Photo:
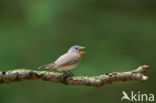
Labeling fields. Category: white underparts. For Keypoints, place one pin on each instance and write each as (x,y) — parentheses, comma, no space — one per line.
(66,68)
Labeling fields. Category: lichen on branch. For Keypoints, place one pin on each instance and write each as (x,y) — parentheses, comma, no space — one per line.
(94,81)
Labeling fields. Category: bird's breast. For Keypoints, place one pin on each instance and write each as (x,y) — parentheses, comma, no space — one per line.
(67,67)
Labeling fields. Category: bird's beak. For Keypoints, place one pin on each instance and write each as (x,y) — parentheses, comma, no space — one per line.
(81,49)
(83,52)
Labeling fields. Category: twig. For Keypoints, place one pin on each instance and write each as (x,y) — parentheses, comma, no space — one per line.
(95,81)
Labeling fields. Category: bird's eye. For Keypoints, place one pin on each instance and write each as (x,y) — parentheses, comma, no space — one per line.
(76,48)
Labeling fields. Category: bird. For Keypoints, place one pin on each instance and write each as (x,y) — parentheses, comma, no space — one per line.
(67,61)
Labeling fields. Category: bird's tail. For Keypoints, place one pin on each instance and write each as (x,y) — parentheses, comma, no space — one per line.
(51,66)
(42,67)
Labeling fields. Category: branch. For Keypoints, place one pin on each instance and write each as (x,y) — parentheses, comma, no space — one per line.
(95,81)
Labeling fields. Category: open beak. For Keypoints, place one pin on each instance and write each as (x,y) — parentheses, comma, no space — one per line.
(81,50)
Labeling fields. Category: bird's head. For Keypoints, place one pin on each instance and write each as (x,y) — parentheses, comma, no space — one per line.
(76,49)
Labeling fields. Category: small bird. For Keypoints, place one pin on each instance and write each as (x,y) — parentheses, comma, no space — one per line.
(68,60)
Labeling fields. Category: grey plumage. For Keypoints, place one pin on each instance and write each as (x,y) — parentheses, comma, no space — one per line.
(67,61)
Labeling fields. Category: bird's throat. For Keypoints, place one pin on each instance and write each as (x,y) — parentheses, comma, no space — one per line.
(80,53)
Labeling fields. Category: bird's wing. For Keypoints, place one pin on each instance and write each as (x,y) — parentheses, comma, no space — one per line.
(67,59)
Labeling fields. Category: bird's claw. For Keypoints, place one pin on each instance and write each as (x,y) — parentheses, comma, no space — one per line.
(65,76)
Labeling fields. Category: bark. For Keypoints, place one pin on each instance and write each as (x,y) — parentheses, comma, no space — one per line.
(94,81)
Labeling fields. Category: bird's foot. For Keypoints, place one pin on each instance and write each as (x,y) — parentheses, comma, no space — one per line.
(65,76)
(71,74)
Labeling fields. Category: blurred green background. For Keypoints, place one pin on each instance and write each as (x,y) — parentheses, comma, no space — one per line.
(118,35)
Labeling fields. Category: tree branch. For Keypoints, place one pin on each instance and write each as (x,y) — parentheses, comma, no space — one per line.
(95,81)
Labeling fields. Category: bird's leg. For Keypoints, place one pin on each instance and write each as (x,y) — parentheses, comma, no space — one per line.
(70,73)
(65,72)
(65,76)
